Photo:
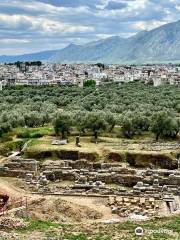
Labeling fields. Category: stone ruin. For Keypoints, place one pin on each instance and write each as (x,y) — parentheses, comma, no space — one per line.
(137,191)
(18,167)
(39,184)
(125,206)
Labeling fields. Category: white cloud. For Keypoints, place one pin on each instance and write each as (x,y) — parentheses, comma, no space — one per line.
(41,24)
(147,25)
(178,7)
(14,41)
(34,22)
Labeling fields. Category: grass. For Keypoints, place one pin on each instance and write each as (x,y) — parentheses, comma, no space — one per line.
(38,225)
(42,149)
(48,129)
(153,230)
(41,145)
(42,136)
(9,146)
(33,132)
(112,149)
(105,143)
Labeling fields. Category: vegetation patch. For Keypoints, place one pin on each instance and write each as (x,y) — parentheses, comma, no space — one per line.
(39,225)
(153,230)
(11,146)
(33,132)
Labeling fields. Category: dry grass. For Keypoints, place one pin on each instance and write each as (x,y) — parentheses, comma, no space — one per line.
(105,145)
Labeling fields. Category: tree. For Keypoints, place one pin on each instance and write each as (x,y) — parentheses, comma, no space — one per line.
(141,123)
(111,120)
(89,83)
(4,128)
(80,119)
(96,123)
(44,118)
(100,65)
(62,124)
(165,124)
(171,127)
(128,129)
(32,119)
(178,108)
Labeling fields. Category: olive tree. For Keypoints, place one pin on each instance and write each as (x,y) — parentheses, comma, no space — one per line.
(171,127)
(165,124)
(80,119)
(4,128)
(128,129)
(62,124)
(96,123)
(111,120)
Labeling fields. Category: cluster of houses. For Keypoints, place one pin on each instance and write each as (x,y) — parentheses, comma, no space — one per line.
(76,74)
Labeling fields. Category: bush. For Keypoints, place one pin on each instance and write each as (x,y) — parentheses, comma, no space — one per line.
(6,138)
(89,83)
(37,134)
(14,145)
(24,134)
(31,134)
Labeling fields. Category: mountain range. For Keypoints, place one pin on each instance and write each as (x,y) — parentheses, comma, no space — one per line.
(161,44)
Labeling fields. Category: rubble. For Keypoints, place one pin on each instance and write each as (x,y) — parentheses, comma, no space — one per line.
(8,236)
(12,223)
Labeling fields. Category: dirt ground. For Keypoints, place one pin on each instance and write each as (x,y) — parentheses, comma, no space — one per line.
(67,209)
(58,208)
(98,205)
(75,214)
(7,187)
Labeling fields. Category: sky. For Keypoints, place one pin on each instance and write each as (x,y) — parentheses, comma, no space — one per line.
(34,25)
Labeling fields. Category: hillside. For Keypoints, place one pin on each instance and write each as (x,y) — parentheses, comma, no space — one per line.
(144,47)
(39,56)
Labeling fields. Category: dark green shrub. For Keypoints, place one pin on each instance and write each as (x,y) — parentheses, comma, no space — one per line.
(24,134)
(37,135)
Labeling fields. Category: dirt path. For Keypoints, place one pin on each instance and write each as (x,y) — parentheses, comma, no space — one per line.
(97,204)
(3,159)
(7,187)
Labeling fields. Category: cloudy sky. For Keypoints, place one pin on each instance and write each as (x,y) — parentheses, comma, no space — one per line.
(34,25)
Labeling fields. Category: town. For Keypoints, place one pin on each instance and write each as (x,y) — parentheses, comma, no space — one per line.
(37,74)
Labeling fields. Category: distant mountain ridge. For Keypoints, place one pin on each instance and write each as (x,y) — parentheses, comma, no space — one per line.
(39,56)
(158,45)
